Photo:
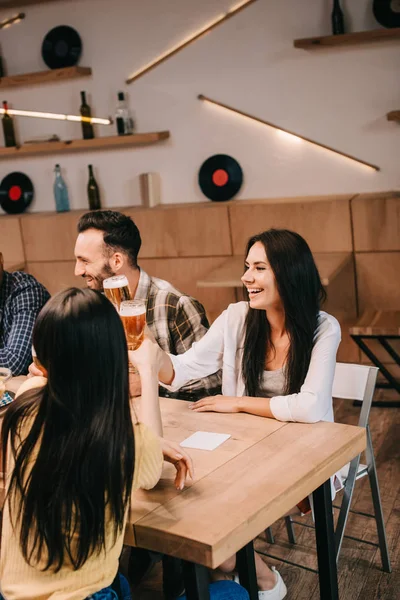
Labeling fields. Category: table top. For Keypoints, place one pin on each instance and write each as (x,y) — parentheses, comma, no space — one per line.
(377,322)
(240,488)
(228,274)
(264,469)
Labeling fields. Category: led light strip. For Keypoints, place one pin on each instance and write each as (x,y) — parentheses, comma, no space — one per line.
(286,131)
(55,116)
(12,20)
(217,21)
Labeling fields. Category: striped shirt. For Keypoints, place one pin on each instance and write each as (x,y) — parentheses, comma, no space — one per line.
(176,321)
(21,299)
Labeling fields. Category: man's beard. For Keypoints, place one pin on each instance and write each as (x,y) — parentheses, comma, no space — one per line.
(97,280)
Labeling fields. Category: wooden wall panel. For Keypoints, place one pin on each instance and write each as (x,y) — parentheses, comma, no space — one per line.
(376,222)
(11,244)
(55,276)
(325,225)
(50,236)
(176,231)
(378,280)
(183,273)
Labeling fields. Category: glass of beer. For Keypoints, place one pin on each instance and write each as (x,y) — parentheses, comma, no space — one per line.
(133,316)
(117,290)
(37,362)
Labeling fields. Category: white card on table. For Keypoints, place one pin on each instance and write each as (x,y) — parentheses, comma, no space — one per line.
(203,440)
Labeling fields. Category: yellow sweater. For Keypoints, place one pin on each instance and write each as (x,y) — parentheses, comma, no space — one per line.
(20,581)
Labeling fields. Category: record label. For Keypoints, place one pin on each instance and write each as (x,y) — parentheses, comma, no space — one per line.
(16,193)
(220,177)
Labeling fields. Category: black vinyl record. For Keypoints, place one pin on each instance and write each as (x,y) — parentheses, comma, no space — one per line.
(61,47)
(387,12)
(16,193)
(220,177)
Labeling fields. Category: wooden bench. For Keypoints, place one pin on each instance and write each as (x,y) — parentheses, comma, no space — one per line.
(383,326)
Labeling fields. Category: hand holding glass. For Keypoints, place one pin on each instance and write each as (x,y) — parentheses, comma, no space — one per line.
(133,317)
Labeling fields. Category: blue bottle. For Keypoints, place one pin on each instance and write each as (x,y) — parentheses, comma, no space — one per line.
(60,191)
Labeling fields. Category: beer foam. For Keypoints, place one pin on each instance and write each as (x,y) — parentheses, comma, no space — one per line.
(131,309)
(117,281)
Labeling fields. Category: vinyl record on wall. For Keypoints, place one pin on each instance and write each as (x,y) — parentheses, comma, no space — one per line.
(387,12)
(220,177)
(61,47)
(16,193)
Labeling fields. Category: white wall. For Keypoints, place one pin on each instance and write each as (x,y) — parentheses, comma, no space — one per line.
(336,96)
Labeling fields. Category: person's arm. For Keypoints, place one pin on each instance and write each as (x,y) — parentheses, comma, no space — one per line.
(26,304)
(203,358)
(147,360)
(190,326)
(310,405)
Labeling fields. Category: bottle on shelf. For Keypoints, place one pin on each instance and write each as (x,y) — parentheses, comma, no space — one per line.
(93,191)
(87,127)
(60,191)
(337,18)
(123,117)
(8,128)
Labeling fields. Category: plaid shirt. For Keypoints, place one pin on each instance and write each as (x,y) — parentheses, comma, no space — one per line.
(21,298)
(176,321)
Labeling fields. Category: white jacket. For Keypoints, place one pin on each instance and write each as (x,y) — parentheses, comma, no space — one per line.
(222,348)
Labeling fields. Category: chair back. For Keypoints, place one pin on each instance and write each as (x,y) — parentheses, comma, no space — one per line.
(356,382)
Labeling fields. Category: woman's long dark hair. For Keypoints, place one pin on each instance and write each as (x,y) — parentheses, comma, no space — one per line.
(300,288)
(80,442)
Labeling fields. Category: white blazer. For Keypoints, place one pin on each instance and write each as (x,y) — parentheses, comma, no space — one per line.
(222,348)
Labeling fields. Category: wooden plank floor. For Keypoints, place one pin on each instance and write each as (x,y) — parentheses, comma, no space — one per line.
(359,569)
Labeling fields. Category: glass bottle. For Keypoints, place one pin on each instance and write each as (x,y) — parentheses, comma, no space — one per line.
(87,127)
(337,18)
(60,191)
(93,191)
(123,117)
(8,128)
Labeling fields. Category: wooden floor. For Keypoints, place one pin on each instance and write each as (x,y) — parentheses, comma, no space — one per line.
(359,569)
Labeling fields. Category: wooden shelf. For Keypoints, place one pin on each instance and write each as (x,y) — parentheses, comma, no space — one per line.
(51,75)
(102,143)
(394,115)
(347,39)
(18,3)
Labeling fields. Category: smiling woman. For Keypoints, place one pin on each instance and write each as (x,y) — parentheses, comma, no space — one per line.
(277,351)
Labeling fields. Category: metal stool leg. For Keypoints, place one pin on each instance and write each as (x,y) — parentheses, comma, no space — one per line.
(376,499)
(270,536)
(346,502)
(290,530)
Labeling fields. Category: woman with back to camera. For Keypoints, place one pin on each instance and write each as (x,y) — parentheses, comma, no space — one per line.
(75,454)
(277,352)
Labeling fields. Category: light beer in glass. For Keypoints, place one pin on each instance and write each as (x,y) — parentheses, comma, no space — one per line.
(117,290)
(133,316)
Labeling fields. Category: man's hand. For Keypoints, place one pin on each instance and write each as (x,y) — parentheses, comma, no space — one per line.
(222,404)
(182,462)
(34,371)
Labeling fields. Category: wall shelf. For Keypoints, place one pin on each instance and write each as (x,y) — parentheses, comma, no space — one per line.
(347,39)
(18,3)
(50,75)
(393,115)
(101,143)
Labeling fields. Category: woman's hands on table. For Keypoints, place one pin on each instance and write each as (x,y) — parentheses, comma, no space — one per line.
(219,403)
(182,462)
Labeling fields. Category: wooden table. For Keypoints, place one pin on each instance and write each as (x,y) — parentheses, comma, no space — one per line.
(329,264)
(241,488)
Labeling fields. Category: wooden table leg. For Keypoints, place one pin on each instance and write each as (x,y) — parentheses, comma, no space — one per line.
(327,570)
(247,570)
(196,581)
